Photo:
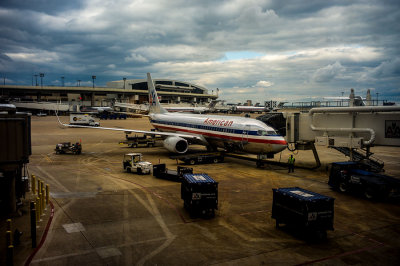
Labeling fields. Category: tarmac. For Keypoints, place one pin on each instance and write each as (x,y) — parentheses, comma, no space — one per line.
(105,216)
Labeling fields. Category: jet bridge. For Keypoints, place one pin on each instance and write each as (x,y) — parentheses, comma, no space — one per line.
(350,130)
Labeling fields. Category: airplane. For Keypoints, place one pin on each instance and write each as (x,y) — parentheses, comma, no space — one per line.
(352,99)
(139,108)
(231,133)
(96,109)
(358,100)
(259,109)
(188,109)
(193,109)
(251,109)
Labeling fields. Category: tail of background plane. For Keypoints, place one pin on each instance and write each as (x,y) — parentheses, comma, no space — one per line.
(213,103)
(154,103)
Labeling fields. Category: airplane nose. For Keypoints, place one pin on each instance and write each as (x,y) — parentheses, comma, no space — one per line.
(281,146)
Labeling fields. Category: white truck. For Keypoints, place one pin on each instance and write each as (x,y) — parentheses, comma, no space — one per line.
(133,163)
(83,120)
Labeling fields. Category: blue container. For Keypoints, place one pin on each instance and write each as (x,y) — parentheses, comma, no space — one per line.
(304,209)
(200,194)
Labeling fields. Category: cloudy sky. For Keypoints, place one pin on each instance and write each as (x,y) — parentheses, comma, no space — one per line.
(249,49)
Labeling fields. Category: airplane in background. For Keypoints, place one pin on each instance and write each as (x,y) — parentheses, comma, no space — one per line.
(358,100)
(250,109)
(232,133)
(181,109)
(192,109)
(352,99)
(256,109)
(96,109)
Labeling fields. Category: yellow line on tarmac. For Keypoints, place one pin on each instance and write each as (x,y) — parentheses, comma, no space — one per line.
(48,158)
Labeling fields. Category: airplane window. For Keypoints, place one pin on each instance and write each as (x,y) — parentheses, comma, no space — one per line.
(271,132)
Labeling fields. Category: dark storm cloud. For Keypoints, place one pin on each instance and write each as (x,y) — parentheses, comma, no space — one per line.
(45,6)
(310,47)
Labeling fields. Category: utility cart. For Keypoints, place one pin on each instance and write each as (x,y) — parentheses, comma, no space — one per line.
(67,147)
(200,194)
(306,211)
(133,162)
(136,141)
(160,171)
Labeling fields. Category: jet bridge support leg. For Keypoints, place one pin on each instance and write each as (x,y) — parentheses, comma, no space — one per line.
(314,150)
(309,145)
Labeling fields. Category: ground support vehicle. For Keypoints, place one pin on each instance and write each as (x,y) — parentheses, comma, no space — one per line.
(133,163)
(309,213)
(67,147)
(160,171)
(200,194)
(192,159)
(136,141)
(83,120)
(352,177)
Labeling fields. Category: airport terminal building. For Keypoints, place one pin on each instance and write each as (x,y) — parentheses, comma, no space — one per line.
(127,91)
(169,91)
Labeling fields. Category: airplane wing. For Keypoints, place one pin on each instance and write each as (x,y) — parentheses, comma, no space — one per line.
(166,134)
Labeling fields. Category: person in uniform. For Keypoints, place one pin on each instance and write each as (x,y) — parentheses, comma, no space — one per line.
(291,161)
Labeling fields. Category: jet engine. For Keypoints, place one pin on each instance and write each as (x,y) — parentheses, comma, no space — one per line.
(176,144)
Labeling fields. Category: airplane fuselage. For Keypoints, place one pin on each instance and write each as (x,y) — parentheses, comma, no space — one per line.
(249,135)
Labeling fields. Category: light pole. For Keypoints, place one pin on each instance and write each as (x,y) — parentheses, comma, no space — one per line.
(93,77)
(124,82)
(79,82)
(62,81)
(41,79)
(377,102)
(36,79)
(341,100)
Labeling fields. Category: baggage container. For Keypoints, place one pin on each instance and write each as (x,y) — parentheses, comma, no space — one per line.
(305,210)
(200,194)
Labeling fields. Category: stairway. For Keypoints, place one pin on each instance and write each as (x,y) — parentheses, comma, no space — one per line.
(373,163)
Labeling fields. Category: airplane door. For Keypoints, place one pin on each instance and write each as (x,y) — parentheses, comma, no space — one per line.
(245,134)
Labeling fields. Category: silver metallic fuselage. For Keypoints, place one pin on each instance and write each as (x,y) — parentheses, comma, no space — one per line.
(249,135)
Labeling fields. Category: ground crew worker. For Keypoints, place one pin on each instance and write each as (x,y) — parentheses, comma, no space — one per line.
(291,161)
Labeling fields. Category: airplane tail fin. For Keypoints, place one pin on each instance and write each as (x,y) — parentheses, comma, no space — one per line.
(213,103)
(154,103)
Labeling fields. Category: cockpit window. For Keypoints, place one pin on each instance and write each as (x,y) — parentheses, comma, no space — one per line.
(262,132)
(266,133)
